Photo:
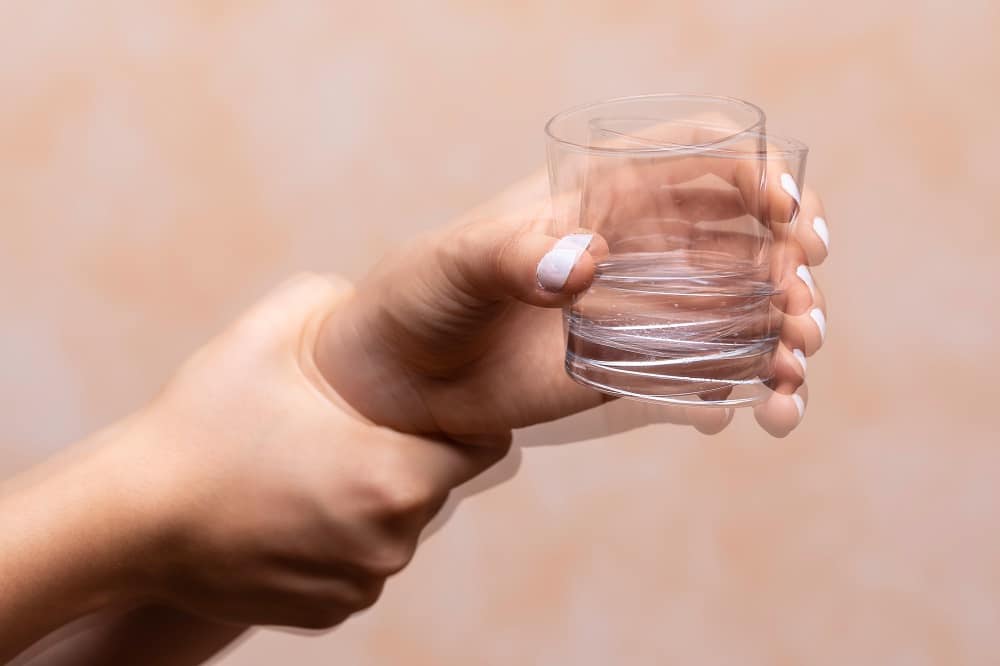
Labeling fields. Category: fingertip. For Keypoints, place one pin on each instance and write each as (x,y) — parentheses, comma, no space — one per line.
(806,331)
(800,406)
(822,231)
(779,414)
(800,358)
(710,420)
(582,274)
(568,267)
(798,289)
(813,230)
(819,317)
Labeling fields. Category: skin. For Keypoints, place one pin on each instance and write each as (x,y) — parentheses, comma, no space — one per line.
(459,320)
(253,494)
(288,468)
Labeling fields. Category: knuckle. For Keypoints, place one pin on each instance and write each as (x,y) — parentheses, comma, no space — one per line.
(322,616)
(397,492)
(456,246)
(403,499)
(389,559)
(478,253)
(369,594)
(331,607)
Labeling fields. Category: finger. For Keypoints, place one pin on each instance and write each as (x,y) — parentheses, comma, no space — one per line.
(568,265)
(789,369)
(810,228)
(329,582)
(798,290)
(491,261)
(781,413)
(734,161)
(663,189)
(709,420)
(435,466)
(783,196)
(805,331)
(785,367)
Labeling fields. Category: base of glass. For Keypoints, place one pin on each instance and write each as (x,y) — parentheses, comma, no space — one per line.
(745,393)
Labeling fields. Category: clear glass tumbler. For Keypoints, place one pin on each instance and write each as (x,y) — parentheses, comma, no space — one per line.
(693,200)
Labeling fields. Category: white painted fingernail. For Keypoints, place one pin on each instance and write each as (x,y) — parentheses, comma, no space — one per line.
(555,267)
(820,319)
(800,405)
(819,226)
(801,358)
(788,185)
(580,241)
(806,277)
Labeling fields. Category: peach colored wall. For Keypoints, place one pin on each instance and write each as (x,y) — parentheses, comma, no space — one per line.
(162,162)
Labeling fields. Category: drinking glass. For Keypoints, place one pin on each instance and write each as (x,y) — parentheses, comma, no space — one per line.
(693,201)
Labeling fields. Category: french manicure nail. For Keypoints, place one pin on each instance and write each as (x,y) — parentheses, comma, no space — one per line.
(801,358)
(555,267)
(820,319)
(800,405)
(806,277)
(788,185)
(819,226)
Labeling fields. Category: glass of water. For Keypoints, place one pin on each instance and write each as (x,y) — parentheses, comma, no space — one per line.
(694,200)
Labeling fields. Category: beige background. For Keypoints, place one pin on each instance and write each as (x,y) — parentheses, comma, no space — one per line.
(162,162)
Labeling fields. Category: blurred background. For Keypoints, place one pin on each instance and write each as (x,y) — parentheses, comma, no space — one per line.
(162,163)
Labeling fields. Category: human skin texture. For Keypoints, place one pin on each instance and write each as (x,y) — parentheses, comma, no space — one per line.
(288,468)
(245,493)
(459,320)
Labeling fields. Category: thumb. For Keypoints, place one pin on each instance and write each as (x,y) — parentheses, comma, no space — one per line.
(493,261)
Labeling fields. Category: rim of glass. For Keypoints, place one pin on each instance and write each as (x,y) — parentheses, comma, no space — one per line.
(562,115)
(786,146)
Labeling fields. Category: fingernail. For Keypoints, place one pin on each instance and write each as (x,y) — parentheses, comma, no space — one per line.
(820,319)
(806,277)
(581,241)
(788,185)
(801,358)
(555,267)
(819,226)
(800,405)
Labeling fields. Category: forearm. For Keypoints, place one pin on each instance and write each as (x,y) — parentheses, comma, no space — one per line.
(152,635)
(69,545)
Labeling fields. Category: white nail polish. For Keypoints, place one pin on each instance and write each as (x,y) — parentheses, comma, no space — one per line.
(819,226)
(820,319)
(576,241)
(800,404)
(788,185)
(806,277)
(801,358)
(555,267)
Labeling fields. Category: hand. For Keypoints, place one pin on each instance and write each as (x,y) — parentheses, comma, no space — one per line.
(699,209)
(279,506)
(456,335)
(245,493)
